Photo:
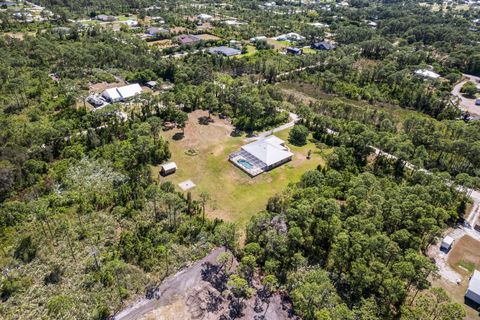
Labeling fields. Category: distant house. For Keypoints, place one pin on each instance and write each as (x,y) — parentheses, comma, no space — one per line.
(292,36)
(168,168)
(105,18)
(204,17)
(233,22)
(427,74)
(188,39)
(319,24)
(262,155)
(155,31)
(122,93)
(372,24)
(131,23)
(225,51)
(294,50)
(7,4)
(258,38)
(323,46)
(447,243)
(473,291)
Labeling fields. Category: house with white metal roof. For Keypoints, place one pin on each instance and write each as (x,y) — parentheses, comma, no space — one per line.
(262,155)
(122,93)
(427,74)
(473,291)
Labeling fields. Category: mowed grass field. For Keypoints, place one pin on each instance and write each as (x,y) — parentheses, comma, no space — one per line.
(235,196)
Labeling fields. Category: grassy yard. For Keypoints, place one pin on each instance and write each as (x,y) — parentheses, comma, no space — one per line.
(308,50)
(251,50)
(234,195)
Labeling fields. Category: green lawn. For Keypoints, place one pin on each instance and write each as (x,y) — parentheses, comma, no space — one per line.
(251,50)
(308,50)
(235,196)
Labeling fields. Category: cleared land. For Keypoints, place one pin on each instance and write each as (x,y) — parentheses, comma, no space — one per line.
(458,263)
(234,195)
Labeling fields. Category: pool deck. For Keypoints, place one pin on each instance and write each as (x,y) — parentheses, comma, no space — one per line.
(253,172)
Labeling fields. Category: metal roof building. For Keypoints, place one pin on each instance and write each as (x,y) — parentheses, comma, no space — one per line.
(473,291)
(122,93)
(225,51)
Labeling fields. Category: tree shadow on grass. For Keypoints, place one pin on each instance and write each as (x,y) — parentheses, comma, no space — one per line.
(205,121)
(236,133)
(178,136)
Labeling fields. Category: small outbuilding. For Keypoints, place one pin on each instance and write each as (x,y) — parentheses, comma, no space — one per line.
(168,168)
(323,46)
(473,291)
(151,84)
(447,243)
(294,50)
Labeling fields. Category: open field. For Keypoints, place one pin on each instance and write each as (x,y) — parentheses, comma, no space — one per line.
(234,195)
(206,36)
(166,43)
(465,255)
(460,262)
(279,45)
(251,50)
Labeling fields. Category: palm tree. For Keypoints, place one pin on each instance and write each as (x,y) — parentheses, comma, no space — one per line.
(67,233)
(204,198)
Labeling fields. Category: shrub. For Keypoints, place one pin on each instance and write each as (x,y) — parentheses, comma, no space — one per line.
(26,250)
(469,89)
(298,135)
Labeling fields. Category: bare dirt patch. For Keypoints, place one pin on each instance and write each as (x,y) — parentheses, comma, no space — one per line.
(200,292)
(102,86)
(465,251)
(206,36)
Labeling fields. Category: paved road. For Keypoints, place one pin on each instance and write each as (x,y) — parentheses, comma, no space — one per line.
(465,103)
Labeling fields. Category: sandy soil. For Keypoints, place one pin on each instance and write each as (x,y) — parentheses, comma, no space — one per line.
(190,294)
(206,36)
(465,248)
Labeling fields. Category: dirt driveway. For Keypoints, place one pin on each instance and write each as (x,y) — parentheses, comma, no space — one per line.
(467,104)
(192,294)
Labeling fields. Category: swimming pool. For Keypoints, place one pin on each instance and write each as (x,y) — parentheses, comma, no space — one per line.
(245,164)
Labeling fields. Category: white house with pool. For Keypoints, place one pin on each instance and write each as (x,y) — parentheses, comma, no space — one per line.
(262,155)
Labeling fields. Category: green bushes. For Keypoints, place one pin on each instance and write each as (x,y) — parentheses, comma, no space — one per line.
(298,135)
(26,250)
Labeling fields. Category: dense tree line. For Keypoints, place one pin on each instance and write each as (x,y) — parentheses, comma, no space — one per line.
(348,244)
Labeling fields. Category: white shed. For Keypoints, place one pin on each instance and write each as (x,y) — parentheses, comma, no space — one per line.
(447,243)
(473,291)
(168,168)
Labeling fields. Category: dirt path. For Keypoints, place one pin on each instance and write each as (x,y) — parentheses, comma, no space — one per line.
(192,294)
(170,291)
(293,119)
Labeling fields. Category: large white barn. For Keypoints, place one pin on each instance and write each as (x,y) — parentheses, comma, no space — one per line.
(122,93)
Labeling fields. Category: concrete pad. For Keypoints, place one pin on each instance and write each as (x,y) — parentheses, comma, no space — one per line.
(186,185)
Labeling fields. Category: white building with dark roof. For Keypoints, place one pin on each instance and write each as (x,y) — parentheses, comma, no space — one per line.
(262,155)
